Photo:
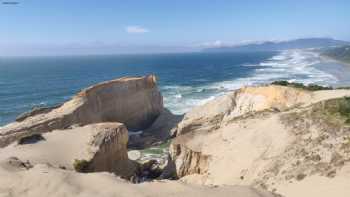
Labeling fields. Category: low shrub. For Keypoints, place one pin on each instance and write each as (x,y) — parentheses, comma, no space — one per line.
(81,165)
(310,87)
(338,109)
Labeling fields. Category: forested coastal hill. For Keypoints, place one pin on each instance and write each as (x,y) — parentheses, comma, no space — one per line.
(339,53)
(281,45)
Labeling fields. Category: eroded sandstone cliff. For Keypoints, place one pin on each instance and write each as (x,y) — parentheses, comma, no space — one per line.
(265,136)
(136,102)
(44,152)
(242,101)
(91,148)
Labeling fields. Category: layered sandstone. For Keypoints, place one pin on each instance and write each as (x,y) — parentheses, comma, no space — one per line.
(45,168)
(271,137)
(136,102)
(285,140)
(242,101)
(91,148)
(249,100)
(43,180)
(43,153)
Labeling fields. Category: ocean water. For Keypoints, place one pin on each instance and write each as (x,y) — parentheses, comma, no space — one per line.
(185,80)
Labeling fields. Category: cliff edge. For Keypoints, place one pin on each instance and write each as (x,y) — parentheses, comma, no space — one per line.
(272,137)
(135,102)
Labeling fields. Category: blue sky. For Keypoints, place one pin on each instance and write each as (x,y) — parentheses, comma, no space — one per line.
(136,26)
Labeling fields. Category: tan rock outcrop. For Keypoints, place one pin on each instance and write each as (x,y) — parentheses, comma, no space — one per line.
(91,148)
(162,129)
(242,101)
(44,168)
(188,161)
(164,126)
(43,180)
(35,111)
(136,102)
(266,139)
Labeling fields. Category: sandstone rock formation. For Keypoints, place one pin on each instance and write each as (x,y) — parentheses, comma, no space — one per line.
(44,168)
(35,111)
(136,102)
(91,148)
(269,137)
(162,129)
(245,100)
(164,126)
(43,180)
(241,144)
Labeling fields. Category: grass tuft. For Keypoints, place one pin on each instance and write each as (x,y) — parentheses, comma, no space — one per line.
(310,87)
(335,110)
(81,165)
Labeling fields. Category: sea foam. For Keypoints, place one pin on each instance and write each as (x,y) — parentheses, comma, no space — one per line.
(292,65)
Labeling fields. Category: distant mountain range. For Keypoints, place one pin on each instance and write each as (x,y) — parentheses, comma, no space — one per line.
(282,45)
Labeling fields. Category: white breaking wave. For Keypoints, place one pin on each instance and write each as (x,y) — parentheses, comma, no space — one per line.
(291,65)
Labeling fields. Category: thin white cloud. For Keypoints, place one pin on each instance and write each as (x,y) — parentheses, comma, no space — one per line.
(217,43)
(136,29)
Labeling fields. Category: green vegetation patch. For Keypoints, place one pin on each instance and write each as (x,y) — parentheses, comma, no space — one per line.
(81,165)
(157,150)
(310,87)
(335,110)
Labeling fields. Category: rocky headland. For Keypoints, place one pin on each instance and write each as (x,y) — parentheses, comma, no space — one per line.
(270,140)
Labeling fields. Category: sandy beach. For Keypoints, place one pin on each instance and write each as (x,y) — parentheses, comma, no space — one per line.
(341,70)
